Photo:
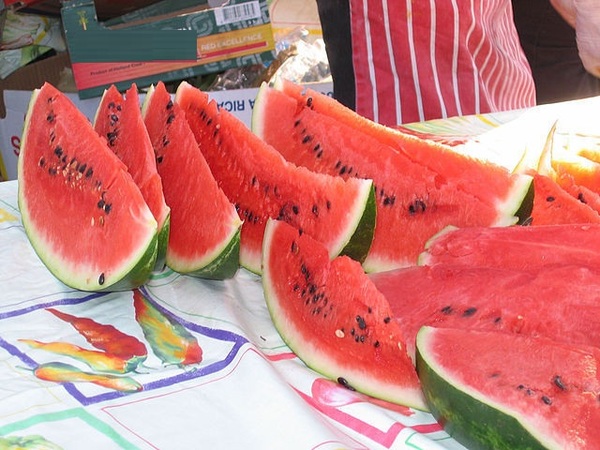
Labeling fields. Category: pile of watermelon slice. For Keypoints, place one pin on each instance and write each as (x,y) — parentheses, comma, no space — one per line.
(390,262)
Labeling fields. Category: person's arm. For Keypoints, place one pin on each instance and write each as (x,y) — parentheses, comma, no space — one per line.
(584,16)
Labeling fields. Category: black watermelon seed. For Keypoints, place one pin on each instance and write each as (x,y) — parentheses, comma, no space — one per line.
(170,104)
(101,279)
(546,400)
(557,380)
(447,310)
(309,101)
(550,198)
(387,319)
(417,206)
(344,382)
(361,322)
(306,139)
(170,118)
(469,312)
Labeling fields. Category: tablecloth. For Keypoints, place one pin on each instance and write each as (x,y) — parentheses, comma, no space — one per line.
(248,391)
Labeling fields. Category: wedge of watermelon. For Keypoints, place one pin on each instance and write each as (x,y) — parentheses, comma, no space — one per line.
(416,197)
(205,228)
(554,205)
(262,185)
(83,213)
(503,189)
(545,397)
(120,121)
(516,247)
(333,317)
(558,301)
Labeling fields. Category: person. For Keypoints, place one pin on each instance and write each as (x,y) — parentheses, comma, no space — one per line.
(401,61)
(561,39)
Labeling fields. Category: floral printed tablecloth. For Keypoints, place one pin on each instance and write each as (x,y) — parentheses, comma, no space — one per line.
(242,388)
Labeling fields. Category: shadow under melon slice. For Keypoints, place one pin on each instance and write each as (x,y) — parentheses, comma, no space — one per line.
(262,185)
(119,120)
(82,212)
(205,228)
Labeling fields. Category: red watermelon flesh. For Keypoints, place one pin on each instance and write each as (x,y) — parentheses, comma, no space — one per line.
(559,301)
(414,202)
(554,205)
(466,173)
(334,319)
(263,185)
(516,247)
(506,391)
(582,193)
(119,120)
(204,236)
(83,213)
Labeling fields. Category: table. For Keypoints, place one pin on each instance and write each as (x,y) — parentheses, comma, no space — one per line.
(248,391)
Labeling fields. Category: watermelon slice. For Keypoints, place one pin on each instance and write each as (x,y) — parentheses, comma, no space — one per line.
(120,121)
(417,194)
(515,247)
(205,228)
(557,301)
(83,213)
(554,205)
(262,185)
(546,396)
(333,317)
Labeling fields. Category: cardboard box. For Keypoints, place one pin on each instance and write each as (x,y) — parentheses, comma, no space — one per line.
(158,43)
(239,102)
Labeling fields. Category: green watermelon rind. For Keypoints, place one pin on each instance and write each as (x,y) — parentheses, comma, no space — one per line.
(225,264)
(360,243)
(132,275)
(163,243)
(466,415)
